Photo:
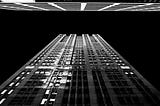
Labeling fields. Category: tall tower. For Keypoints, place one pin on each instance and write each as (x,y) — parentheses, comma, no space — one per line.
(78,70)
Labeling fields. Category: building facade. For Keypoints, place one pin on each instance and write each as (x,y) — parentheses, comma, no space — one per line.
(78,70)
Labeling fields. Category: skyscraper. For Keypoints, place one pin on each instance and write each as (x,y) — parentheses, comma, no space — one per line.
(77,70)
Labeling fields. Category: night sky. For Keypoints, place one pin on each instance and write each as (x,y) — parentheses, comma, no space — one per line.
(133,34)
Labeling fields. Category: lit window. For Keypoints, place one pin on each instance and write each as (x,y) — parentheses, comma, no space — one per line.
(66,67)
(10,91)
(3,91)
(42,72)
(51,84)
(44,80)
(43,101)
(65,73)
(43,63)
(11,84)
(47,73)
(47,92)
(17,84)
(125,67)
(17,78)
(68,80)
(22,73)
(23,77)
(57,85)
(63,80)
(37,72)
(2,100)
(57,80)
(70,74)
(107,63)
(52,63)
(52,100)
(67,62)
(28,67)
(126,73)
(131,73)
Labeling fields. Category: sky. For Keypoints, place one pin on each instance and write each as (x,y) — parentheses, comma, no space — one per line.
(133,35)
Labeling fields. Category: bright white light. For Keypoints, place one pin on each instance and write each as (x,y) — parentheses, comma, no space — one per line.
(51,84)
(17,84)
(47,92)
(125,67)
(22,73)
(83,5)
(47,73)
(70,74)
(107,64)
(57,85)
(11,84)
(67,62)
(126,73)
(44,80)
(29,67)
(65,73)
(42,72)
(37,72)
(131,73)
(52,100)
(10,91)
(43,101)
(2,100)
(68,80)
(109,7)
(48,67)
(23,77)
(3,91)
(17,78)
(63,80)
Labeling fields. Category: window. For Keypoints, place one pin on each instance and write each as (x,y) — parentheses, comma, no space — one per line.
(10,91)
(2,100)
(43,101)
(3,91)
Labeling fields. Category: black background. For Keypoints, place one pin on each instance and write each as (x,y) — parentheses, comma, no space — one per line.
(133,34)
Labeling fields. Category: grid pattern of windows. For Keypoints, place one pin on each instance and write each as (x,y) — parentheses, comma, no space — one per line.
(78,70)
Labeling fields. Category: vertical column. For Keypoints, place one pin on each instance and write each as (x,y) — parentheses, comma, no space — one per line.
(65,66)
(92,92)
(100,85)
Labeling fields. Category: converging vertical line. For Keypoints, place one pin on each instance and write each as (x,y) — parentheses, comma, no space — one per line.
(108,6)
(57,6)
(133,7)
(27,5)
